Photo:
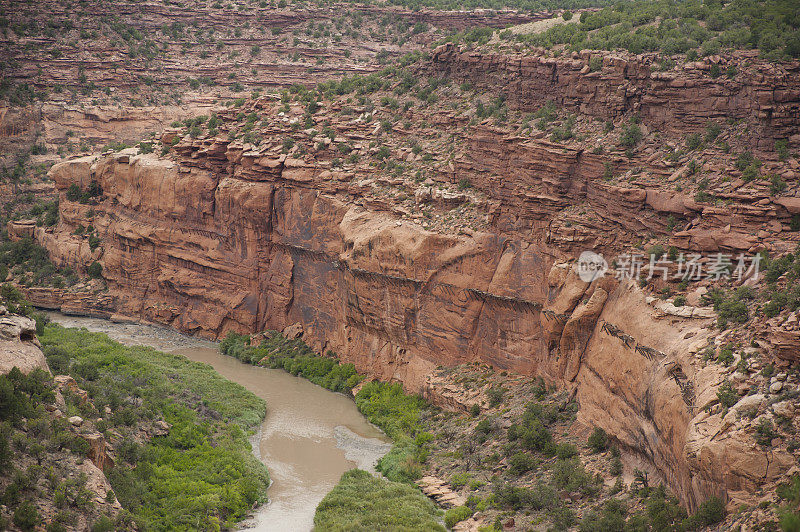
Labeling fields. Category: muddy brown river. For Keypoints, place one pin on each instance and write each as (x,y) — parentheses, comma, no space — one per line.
(309,437)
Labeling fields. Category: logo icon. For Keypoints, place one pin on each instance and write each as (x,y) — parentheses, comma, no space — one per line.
(591,266)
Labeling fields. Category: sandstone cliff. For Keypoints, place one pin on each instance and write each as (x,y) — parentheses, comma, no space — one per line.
(18,345)
(468,259)
(681,100)
(208,252)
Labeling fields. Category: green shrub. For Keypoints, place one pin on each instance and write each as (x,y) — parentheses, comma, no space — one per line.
(539,388)
(782,149)
(611,516)
(94,242)
(727,395)
(765,433)
(656,251)
(484,426)
(95,270)
(103,524)
(598,440)
(532,434)
(694,141)
(520,463)
(616,466)
(745,159)
(20,394)
(362,502)
(511,497)
(725,356)
(730,306)
(495,396)
(630,136)
(401,463)
(789,515)
(709,513)
(459,480)
(388,407)
(456,515)
(26,516)
(566,450)
(777,185)
(712,132)
(570,475)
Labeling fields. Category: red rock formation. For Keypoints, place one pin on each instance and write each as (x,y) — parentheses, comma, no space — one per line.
(225,239)
(678,101)
(228,235)
(74,302)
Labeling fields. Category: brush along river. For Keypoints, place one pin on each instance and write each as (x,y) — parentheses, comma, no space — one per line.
(309,437)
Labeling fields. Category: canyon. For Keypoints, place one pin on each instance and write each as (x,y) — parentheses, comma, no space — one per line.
(122,71)
(224,235)
(408,199)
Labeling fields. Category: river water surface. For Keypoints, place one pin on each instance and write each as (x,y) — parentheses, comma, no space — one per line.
(309,437)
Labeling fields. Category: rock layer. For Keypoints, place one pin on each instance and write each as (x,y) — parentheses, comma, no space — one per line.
(681,100)
(223,240)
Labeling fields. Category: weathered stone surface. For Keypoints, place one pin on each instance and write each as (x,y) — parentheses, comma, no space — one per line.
(18,345)
(440,491)
(78,303)
(99,450)
(677,102)
(249,248)
(66,383)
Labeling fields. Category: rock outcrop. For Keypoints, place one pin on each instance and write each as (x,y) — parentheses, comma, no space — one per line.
(469,261)
(441,492)
(18,344)
(681,100)
(263,245)
(71,302)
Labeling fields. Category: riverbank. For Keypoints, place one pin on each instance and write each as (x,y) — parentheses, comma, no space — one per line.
(359,502)
(308,439)
(506,452)
(173,431)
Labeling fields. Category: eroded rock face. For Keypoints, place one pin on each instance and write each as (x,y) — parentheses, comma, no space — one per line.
(18,344)
(680,101)
(784,338)
(224,240)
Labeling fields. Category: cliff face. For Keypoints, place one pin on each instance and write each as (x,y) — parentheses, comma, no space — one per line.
(676,101)
(401,275)
(267,244)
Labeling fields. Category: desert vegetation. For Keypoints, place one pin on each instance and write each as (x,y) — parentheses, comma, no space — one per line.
(361,502)
(534,465)
(198,474)
(694,28)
